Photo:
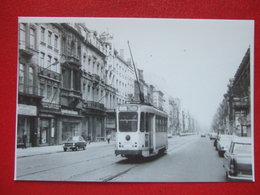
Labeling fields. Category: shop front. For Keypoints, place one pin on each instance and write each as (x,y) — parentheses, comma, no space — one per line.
(27,125)
(71,124)
(93,125)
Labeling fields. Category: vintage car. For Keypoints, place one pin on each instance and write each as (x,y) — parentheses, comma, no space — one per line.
(75,143)
(223,143)
(213,136)
(238,160)
(203,135)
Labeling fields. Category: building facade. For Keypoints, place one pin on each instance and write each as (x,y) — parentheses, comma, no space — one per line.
(70,82)
(234,113)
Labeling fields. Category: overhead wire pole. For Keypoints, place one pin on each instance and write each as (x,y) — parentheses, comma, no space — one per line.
(141,95)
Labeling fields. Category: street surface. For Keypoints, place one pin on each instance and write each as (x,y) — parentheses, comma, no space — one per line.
(188,159)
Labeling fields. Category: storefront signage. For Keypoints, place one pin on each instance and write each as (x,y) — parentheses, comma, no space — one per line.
(27,110)
(69,112)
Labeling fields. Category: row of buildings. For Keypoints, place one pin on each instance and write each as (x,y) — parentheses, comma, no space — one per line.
(234,113)
(180,121)
(70,81)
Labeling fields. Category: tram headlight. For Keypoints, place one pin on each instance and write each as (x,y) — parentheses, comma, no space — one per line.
(127,137)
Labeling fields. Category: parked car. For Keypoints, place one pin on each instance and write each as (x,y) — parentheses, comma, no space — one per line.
(202,135)
(213,136)
(238,160)
(75,143)
(169,135)
(222,144)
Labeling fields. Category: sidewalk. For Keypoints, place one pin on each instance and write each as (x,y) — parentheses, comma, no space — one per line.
(33,151)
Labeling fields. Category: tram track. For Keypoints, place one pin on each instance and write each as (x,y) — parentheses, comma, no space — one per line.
(63,166)
(92,168)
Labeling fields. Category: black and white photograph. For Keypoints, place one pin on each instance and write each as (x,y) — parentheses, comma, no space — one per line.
(134,100)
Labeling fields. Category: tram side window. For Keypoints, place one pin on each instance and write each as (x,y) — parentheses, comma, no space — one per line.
(149,120)
(143,122)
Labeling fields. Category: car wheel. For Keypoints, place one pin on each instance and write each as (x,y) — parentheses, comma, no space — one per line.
(227,177)
(65,149)
(77,148)
(84,147)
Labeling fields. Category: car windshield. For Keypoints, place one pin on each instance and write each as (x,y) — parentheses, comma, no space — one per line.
(128,121)
(73,139)
(240,148)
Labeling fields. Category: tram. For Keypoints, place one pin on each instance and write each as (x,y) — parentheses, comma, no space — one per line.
(141,130)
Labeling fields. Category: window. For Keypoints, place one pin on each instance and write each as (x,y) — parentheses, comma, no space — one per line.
(49,91)
(143,122)
(48,62)
(22,34)
(42,34)
(66,77)
(32,38)
(56,41)
(42,89)
(55,95)
(49,37)
(55,62)
(42,55)
(30,80)
(21,77)
(128,121)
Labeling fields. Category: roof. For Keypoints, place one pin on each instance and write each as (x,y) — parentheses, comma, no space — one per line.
(244,140)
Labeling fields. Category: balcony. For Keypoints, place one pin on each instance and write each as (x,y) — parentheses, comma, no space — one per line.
(52,106)
(28,90)
(24,51)
(70,93)
(94,105)
(49,73)
(71,58)
(96,46)
(96,78)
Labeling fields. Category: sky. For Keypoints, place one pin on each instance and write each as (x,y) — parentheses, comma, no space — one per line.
(189,59)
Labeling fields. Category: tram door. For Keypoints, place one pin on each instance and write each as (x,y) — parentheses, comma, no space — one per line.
(149,127)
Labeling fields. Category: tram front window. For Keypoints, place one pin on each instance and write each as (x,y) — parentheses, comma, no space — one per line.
(128,121)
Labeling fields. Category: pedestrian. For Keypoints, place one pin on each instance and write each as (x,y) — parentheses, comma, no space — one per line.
(24,138)
(108,138)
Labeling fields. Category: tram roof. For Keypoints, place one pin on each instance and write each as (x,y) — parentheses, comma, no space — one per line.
(146,107)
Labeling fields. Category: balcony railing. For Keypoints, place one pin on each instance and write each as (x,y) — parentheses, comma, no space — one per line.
(51,105)
(70,93)
(94,105)
(28,89)
(24,50)
(49,73)
(71,58)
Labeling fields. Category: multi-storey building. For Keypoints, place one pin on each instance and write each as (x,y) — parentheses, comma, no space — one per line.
(98,94)
(158,100)
(124,78)
(234,113)
(49,76)
(29,98)
(70,82)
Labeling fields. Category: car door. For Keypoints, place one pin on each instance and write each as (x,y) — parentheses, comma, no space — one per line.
(228,157)
(81,142)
